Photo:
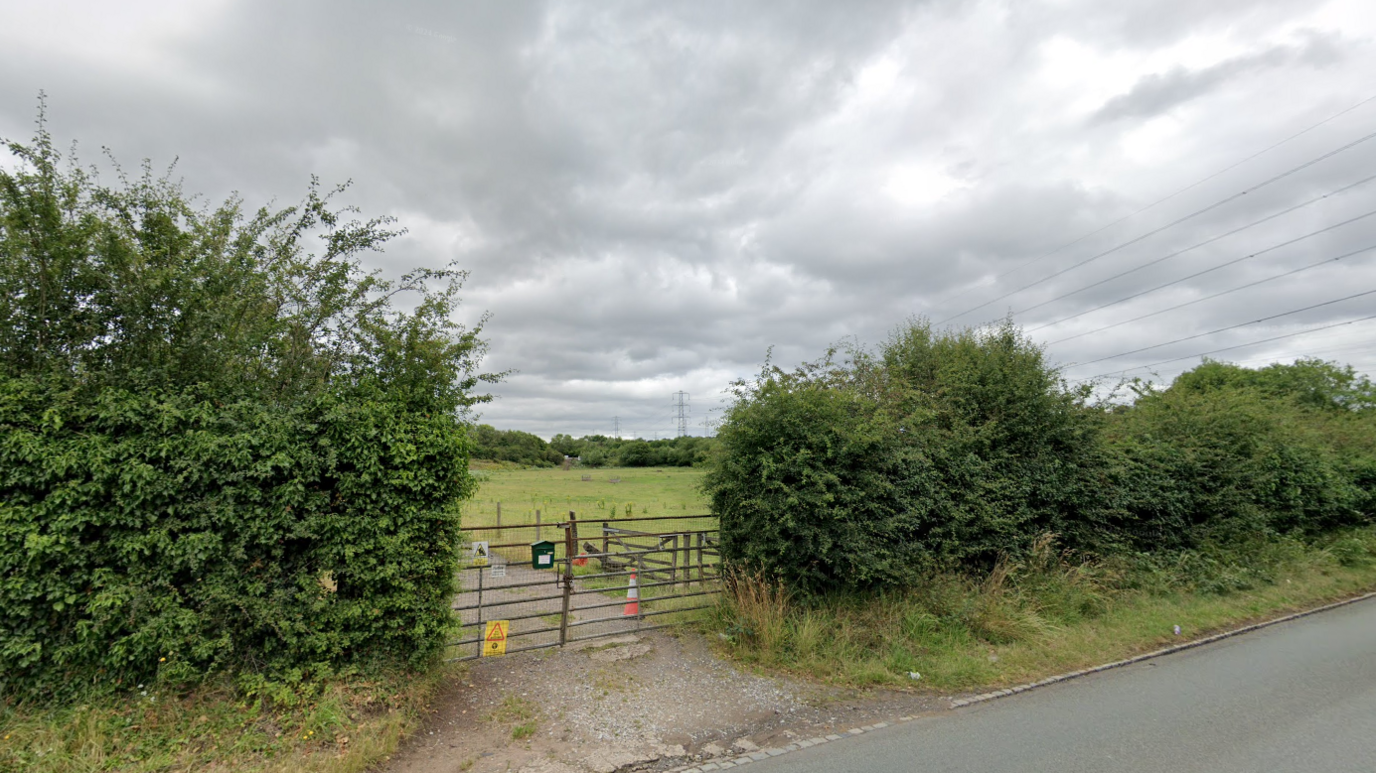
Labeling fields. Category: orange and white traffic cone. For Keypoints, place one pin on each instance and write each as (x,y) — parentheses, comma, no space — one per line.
(632,599)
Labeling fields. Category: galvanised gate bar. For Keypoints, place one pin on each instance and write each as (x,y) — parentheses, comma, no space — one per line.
(571,581)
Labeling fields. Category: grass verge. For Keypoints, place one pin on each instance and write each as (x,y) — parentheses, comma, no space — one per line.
(341,726)
(1045,615)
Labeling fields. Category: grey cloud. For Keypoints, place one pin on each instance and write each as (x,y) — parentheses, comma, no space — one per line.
(1161,92)
(1147,24)
(650,196)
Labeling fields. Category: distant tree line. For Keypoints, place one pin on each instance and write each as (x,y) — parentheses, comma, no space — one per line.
(511,445)
(523,448)
(602,451)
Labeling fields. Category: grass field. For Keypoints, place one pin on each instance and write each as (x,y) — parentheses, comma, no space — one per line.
(641,491)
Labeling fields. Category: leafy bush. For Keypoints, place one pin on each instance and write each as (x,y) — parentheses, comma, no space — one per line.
(1308,383)
(954,448)
(1194,465)
(218,450)
(948,448)
(816,487)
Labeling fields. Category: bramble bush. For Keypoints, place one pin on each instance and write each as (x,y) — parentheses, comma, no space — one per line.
(222,447)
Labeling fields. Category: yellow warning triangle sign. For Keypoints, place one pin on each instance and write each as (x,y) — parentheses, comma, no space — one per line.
(496,630)
(495,638)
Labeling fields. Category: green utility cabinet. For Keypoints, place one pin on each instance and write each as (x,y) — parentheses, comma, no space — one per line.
(542,554)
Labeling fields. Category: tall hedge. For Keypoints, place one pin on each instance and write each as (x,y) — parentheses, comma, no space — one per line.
(945,448)
(1227,452)
(222,446)
(165,533)
(816,486)
(951,448)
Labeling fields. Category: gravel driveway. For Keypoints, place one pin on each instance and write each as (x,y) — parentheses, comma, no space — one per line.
(650,701)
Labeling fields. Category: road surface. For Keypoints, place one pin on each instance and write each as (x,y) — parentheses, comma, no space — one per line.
(1299,696)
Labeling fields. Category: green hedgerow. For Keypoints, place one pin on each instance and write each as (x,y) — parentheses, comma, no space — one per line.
(221,445)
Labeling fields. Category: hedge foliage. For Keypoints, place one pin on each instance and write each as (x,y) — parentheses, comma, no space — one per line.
(1219,459)
(952,448)
(144,534)
(221,445)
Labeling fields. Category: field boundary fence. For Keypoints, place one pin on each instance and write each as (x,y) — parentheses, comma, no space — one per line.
(601,578)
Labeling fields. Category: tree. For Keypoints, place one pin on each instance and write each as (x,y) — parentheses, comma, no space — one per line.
(133,286)
(1310,383)
(945,447)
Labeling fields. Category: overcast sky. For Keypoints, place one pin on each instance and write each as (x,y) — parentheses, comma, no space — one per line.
(651,195)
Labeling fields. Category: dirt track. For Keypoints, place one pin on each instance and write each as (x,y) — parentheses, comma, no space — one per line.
(650,701)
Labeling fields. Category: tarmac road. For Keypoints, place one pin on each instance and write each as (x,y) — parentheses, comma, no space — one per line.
(1298,696)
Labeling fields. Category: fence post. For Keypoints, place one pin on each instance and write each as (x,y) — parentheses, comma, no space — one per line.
(605,543)
(570,550)
(673,565)
(499,522)
(537,525)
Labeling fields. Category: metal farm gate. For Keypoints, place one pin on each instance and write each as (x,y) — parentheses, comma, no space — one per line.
(602,579)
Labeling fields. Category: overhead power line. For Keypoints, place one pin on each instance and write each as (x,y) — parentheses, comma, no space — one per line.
(1310,353)
(1172,224)
(1195,246)
(1361,345)
(1164,199)
(1236,346)
(1229,327)
(1292,272)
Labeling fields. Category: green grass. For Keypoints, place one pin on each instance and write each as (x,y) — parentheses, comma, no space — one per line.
(519,713)
(641,492)
(554,492)
(343,726)
(1047,616)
